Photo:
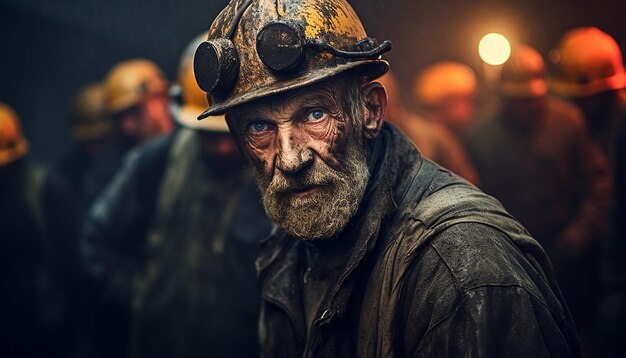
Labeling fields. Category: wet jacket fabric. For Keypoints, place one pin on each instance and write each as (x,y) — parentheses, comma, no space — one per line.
(438,269)
(180,252)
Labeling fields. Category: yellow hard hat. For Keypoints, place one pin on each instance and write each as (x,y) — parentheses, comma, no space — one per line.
(90,121)
(524,74)
(13,145)
(588,61)
(260,48)
(129,82)
(194,99)
(442,81)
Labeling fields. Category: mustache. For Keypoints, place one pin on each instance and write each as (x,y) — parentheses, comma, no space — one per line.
(285,184)
(317,175)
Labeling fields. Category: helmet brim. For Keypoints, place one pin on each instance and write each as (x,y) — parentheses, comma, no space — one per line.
(187,116)
(567,88)
(371,68)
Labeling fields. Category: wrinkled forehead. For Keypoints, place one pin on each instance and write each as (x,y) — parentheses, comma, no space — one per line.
(323,94)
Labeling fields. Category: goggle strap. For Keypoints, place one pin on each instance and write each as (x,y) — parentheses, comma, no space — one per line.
(385,46)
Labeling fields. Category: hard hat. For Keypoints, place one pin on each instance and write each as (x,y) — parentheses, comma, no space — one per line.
(442,81)
(90,121)
(194,100)
(260,48)
(13,145)
(129,82)
(588,61)
(524,74)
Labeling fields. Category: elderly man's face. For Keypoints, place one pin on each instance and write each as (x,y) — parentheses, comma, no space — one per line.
(310,156)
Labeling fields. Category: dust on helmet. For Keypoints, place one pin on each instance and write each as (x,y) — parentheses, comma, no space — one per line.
(260,48)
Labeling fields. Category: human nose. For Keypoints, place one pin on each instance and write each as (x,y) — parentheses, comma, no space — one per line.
(293,154)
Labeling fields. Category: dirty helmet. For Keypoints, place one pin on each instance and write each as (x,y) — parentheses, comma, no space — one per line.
(258,48)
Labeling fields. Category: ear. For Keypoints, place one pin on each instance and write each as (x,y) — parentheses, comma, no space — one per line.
(376,103)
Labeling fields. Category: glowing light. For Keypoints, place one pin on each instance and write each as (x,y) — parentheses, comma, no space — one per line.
(494,49)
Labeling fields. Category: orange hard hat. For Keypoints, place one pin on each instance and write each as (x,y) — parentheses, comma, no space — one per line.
(129,82)
(13,145)
(443,80)
(588,61)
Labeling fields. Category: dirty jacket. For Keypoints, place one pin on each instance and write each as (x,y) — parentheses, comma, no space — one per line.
(439,269)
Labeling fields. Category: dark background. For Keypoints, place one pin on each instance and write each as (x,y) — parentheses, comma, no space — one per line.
(50,49)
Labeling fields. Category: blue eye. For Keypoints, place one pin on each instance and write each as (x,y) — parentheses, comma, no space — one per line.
(316,115)
(259,126)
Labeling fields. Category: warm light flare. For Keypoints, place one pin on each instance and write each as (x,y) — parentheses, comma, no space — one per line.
(494,49)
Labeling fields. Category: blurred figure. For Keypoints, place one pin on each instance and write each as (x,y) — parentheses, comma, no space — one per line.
(432,138)
(175,234)
(539,160)
(445,93)
(589,70)
(136,98)
(92,130)
(36,260)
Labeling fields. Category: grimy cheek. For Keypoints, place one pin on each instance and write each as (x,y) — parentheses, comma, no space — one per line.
(262,159)
(334,142)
